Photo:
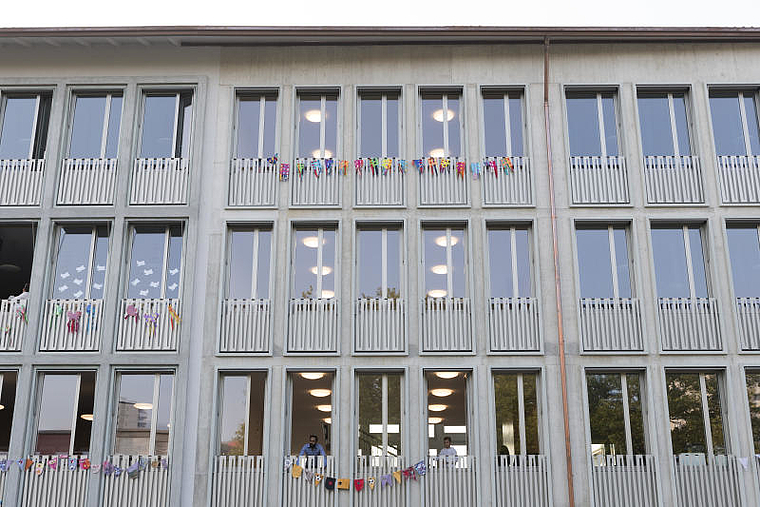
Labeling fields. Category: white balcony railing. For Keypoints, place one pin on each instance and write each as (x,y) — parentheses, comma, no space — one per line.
(624,481)
(381,186)
(149,325)
(689,324)
(521,480)
(673,180)
(514,324)
(599,180)
(377,466)
(238,480)
(379,325)
(13,323)
(451,481)
(446,324)
(710,482)
(253,183)
(150,488)
(45,486)
(299,491)
(513,187)
(21,182)
(748,317)
(159,181)
(441,184)
(87,181)
(71,325)
(739,179)
(312,184)
(314,325)
(609,324)
(245,325)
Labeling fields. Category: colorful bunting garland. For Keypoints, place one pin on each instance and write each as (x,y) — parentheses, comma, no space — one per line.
(37,466)
(297,471)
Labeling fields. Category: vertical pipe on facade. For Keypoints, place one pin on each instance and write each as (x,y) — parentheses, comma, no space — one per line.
(557,282)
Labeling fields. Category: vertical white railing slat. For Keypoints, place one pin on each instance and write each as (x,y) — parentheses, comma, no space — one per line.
(21,182)
(673,180)
(159,181)
(381,186)
(599,180)
(253,183)
(315,186)
(313,325)
(442,185)
(87,181)
(140,332)
(446,324)
(514,324)
(689,324)
(245,326)
(13,324)
(610,324)
(379,325)
(63,331)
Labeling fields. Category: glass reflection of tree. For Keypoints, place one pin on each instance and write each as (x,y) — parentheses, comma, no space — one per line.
(371,413)
(235,446)
(507,404)
(393,293)
(686,419)
(605,401)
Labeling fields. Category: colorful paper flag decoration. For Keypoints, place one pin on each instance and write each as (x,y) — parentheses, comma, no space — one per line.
(317,478)
(386,480)
(39,468)
(344,484)
(308,475)
(358,484)
(133,470)
(296,471)
(84,464)
(420,468)
(329,483)
(371,482)
(397,476)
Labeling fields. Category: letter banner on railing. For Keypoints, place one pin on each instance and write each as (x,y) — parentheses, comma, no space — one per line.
(64,461)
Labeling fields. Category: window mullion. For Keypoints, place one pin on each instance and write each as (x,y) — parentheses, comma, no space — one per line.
(320,236)
(445,117)
(673,125)
(154,414)
(384,262)
(626,414)
(247,416)
(689,262)
(164,266)
(384,391)
(104,133)
(74,415)
(613,263)
(33,134)
(254,265)
(449,267)
(745,125)
(513,248)
(90,261)
(262,112)
(384,125)
(507,126)
(706,415)
(600,118)
(322,107)
(176,125)
(521,413)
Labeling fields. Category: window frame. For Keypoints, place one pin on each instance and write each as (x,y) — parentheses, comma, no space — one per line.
(319,228)
(334,414)
(540,422)
(220,375)
(56,246)
(513,227)
(323,93)
(598,91)
(403,430)
(447,228)
(506,92)
(263,94)
(445,91)
(384,93)
(256,228)
(177,92)
(470,416)
(384,227)
(109,94)
(684,226)
(742,93)
(690,129)
(36,150)
(611,226)
(729,224)
(131,231)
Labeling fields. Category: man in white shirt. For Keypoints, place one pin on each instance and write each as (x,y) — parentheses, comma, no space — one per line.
(448,453)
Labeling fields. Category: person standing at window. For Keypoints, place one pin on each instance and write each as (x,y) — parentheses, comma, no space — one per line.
(313,448)
(447,450)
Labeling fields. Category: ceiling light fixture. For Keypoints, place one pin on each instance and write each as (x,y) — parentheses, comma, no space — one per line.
(326,270)
(435,420)
(447,375)
(328,294)
(441,241)
(324,408)
(442,392)
(87,417)
(315,115)
(437,293)
(313,375)
(438,115)
(143,406)
(437,408)
(319,154)
(437,153)
(312,241)
(320,393)
(440,269)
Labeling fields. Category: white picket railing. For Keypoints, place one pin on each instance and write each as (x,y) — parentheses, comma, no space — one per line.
(314,325)
(443,186)
(599,180)
(748,317)
(375,467)
(305,493)
(514,324)
(379,325)
(13,323)
(612,324)
(624,481)
(71,325)
(715,482)
(238,481)
(253,183)
(21,182)
(140,333)
(245,325)
(380,187)
(512,188)
(159,181)
(739,179)
(446,324)
(673,180)
(320,189)
(59,486)
(689,324)
(451,481)
(521,480)
(87,181)
(149,489)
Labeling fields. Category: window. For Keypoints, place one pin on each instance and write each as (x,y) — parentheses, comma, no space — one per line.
(664,124)
(155,266)
(509,261)
(603,262)
(379,414)
(16,254)
(167,117)
(379,262)
(8,402)
(95,125)
(753,397)
(65,413)
(744,250)
(615,414)
(444,262)
(314,262)
(379,124)
(696,414)
(447,411)
(516,404)
(241,414)
(503,123)
(256,125)
(592,123)
(80,268)
(143,413)
(441,133)
(679,262)
(24,118)
(317,125)
(735,122)
(311,409)
(249,265)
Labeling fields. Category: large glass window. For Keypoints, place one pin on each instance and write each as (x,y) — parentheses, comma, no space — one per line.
(311,409)
(144,413)
(379,124)
(744,250)
(317,125)
(444,262)
(167,117)
(664,124)
(503,123)
(8,404)
(65,413)
(314,261)
(447,408)
(24,120)
(516,401)
(379,414)
(155,265)
(241,414)
(735,122)
(603,261)
(379,262)
(679,262)
(16,254)
(592,123)
(95,125)
(256,125)
(80,267)
(249,265)
(509,261)
(696,414)
(615,413)
(753,397)
(441,124)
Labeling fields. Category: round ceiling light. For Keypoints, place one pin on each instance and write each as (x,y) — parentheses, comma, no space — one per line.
(314,115)
(441,241)
(440,269)
(320,393)
(447,374)
(437,293)
(435,420)
(326,270)
(313,375)
(324,408)
(442,392)
(438,115)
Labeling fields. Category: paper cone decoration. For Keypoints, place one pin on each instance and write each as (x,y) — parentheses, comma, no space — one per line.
(386,480)
(371,482)
(317,479)
(344,484)
(420,468)
(397,476)
(107,468)
(53,463)
(308,475)
(329,483)
(117,471)
(155,464)
(3,465)
(296,471)
(358,484)
(164,463)
(73,462)
(39,468)
(84,464)
(286,465)
(409,473)
(133,470)
(28,464)
(95,468)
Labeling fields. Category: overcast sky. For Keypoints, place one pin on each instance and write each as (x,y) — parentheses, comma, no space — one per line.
(383,12)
